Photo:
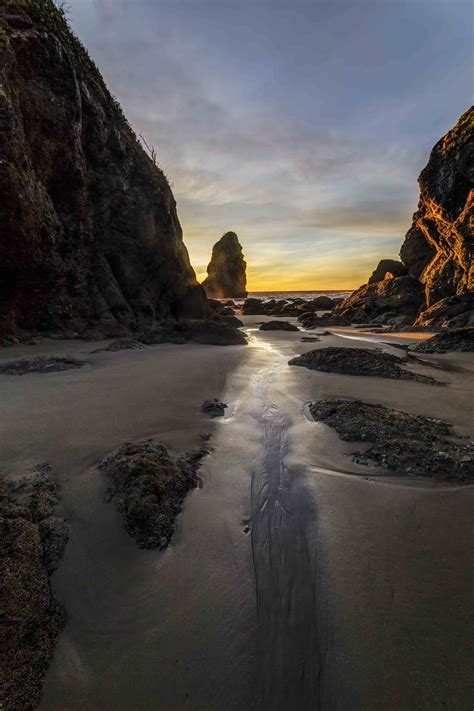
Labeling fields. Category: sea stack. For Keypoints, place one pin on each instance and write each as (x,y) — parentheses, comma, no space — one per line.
(226,270)
(90,236)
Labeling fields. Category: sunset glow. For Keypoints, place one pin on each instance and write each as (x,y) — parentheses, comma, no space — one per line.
(309,149)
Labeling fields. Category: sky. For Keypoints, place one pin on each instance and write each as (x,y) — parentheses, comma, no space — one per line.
(301,125)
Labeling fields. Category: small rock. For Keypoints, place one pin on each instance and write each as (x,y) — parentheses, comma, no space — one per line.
(214,408)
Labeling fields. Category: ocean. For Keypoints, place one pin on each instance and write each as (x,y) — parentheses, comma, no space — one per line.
(306,295)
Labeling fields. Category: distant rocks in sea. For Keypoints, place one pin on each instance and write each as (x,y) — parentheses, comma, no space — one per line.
(399,441)
(285,307)
(226,270)
(147,485)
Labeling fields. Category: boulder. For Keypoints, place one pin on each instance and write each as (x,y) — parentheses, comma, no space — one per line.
(387,267)
(254,307)
(452,312)
(459,339)
(399,441)
(226,270)
(358,361)
(402,296)
(278,326)
(212,332)
(147,485)
(214,408)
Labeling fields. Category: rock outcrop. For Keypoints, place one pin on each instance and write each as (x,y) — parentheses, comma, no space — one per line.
(388,302)
(359,362)
(387,268)
(399,441)
(90,235)
(457,339)
(438,249)
(32,542)
(226,270)
(148,485)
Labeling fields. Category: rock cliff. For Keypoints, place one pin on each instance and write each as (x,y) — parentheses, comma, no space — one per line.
(89,231)
(438,247)
(226,270)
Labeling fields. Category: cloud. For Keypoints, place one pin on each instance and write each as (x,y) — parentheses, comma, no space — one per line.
(295,131)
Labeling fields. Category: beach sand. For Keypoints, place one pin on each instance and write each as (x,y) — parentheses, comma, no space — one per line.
(296,579)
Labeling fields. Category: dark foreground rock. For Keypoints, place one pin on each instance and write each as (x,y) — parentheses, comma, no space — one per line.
(358,361)
(148,485)
(226,270)
(460,339)
(53,364)
(211,332)
(403,442)
(214,408)
(122,344)
(278,326)
(32,542)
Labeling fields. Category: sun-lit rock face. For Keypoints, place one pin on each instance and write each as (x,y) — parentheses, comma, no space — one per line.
(438,248)
(226,270)
(89,231)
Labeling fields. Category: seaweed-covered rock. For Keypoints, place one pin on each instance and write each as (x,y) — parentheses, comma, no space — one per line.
(226,270)
(90,235)
(357,361)
(460,339)
(51,364)
(148,485)
(400,441)
(121,344)
(278,326)
(32,541)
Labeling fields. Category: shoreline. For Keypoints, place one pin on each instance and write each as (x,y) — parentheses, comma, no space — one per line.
(181,626)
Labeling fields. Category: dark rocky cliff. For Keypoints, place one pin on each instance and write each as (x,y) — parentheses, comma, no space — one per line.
(226,270)
(89,234)
(438,247)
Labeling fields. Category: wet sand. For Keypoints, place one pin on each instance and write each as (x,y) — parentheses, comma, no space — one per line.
(290,582)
